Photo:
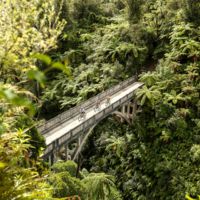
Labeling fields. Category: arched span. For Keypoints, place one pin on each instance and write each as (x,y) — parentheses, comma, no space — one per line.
(68,126)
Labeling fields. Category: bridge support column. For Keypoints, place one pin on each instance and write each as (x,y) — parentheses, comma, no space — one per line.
(123,109)
(55,152)
(79,141)
(75,155)
(127,112)
(54,156)
(128,109)
(134,104)
(66,152)
(78,146)
(50,159)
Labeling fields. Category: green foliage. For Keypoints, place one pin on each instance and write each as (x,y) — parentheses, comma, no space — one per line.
(20,146)
(192,11)
(68,166)
(18,181)
(86,12)
(65,185)
(101,58)
(26,28)
(115,144)
(35,74)
(158,157)
(189,198)
(92,186)
(10,94)
(100,186)
(150,94)
(185,42)
(134,8)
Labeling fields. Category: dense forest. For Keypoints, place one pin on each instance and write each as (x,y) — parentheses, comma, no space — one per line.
(56,54)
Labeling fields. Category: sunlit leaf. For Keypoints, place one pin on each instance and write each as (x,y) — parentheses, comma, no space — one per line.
(44,58)
(188,197)
(37,75)
(60,66)
(2,165)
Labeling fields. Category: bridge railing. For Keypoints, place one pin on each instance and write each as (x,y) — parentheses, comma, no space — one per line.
(59,119)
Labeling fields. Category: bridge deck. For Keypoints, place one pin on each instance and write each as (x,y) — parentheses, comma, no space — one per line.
(70,124)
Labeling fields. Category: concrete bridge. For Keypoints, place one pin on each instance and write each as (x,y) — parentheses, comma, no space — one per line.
(67,128)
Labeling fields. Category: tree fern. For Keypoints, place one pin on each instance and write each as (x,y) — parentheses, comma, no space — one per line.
(99,186)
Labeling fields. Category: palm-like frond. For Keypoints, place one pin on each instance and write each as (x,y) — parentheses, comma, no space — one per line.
(99,185)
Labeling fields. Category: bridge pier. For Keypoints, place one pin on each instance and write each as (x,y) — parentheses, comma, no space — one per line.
(127,112)
(50,159)
(55,151)
(66,152)
(79,140)
(134,109)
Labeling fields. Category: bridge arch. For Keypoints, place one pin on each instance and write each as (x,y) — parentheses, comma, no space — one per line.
(67,127)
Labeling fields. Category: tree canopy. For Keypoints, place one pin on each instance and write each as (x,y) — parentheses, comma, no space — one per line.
(56,54)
